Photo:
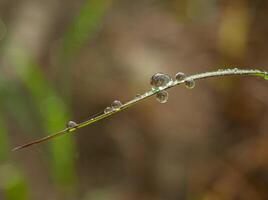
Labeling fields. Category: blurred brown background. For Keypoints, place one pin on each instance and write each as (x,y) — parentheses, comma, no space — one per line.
(69,59)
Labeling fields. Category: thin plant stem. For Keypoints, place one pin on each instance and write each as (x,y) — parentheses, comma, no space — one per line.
(152,92)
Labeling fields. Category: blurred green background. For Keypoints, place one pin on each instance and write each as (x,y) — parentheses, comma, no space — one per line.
(69,59)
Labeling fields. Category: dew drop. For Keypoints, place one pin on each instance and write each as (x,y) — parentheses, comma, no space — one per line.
(180,76)
(138,96)
(116,104)
(162,96)
(108,109)
(160,80)
(189,83)
(71,124)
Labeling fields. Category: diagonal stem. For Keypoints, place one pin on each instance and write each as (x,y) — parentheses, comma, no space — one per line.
(218,73)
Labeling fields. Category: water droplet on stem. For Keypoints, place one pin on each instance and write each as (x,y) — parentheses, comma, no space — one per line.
(116,104)
(71,124)
(160,80)
(180,76)
(108,109)
(189,83)
(162,96)
(138,96)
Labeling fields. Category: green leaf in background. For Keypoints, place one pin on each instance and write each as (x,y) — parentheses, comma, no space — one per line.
(3,141)
(84,24)
(54,115)
(88,19)
(13,183)
(53,111)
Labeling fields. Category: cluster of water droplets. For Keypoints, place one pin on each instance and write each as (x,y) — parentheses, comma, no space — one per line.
(158,82)
(115,105)
(189,82)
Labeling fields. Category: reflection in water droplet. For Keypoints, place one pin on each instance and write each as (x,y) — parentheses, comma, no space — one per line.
(116,104)
(160,80)
(71,124)
(108,109)
(180,76)
(189,83)
(162,96)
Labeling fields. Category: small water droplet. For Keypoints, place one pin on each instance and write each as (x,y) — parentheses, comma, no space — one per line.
(162,96)
(180,76)
(116,104)
(189,83)
(71,124)
(138,96)
(108,109)
(160,80)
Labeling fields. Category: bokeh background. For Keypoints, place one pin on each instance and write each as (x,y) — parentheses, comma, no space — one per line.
(69,59)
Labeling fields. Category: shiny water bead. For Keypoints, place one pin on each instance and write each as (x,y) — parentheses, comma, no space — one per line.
(116,104)
(189,83)
(71,124)
(162,96)
(138,96)
(159,80)
(108,109)
(180,76)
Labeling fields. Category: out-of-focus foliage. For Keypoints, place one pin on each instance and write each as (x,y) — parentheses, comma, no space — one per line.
(13,183)
(62,60)
(3,141)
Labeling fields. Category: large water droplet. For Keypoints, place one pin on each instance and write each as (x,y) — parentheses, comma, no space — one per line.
(160,80)
(180,76)
(116,104)
(71,124)
(108,109)
(189,83)
(162,96)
